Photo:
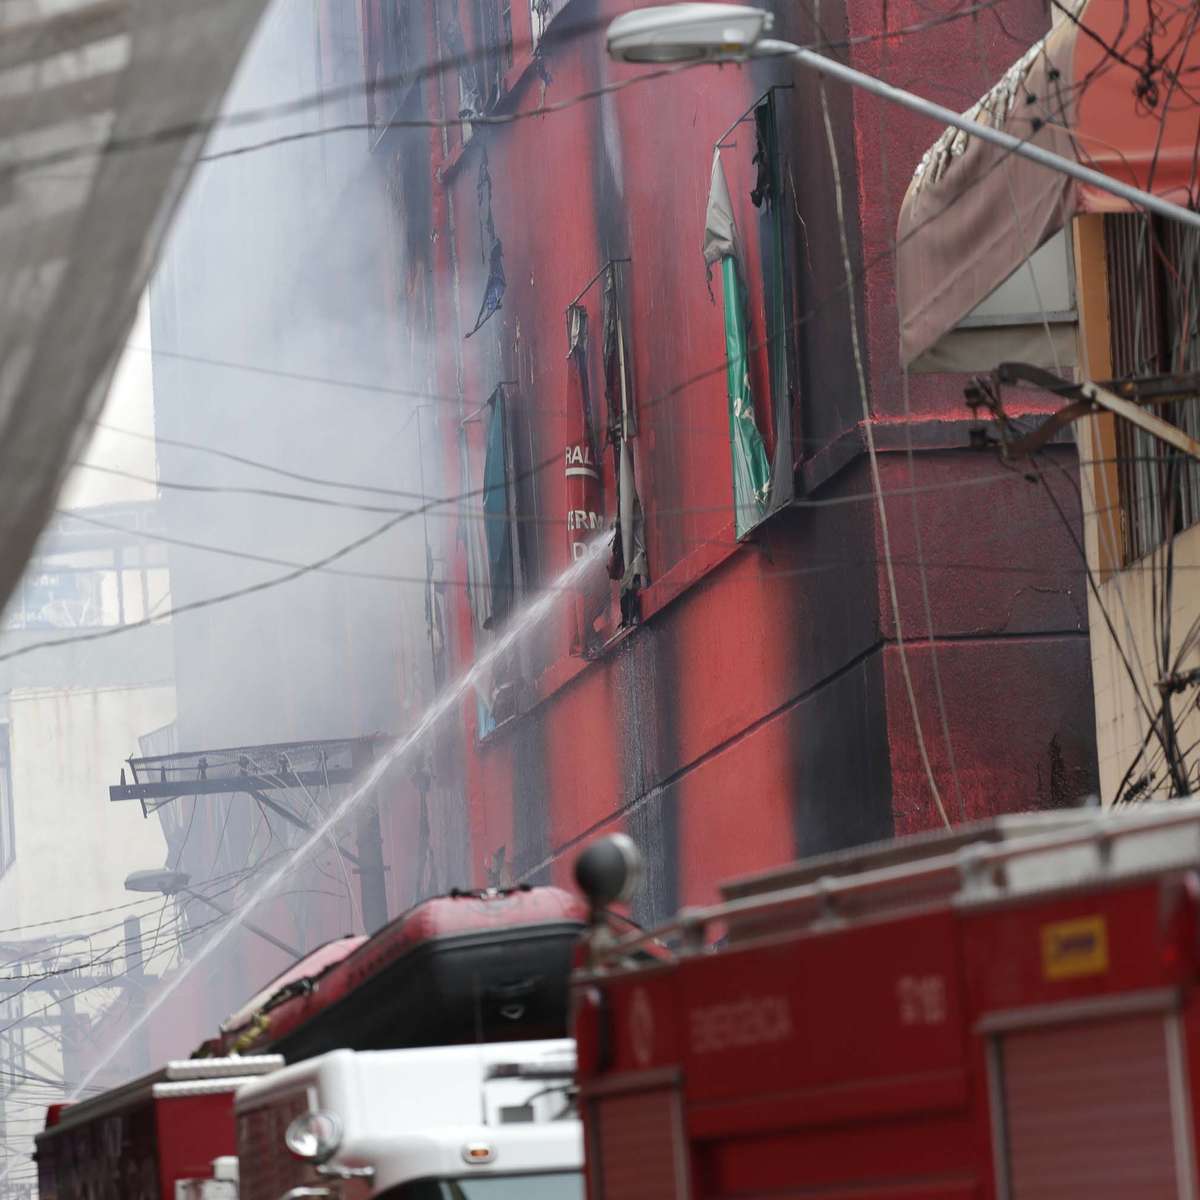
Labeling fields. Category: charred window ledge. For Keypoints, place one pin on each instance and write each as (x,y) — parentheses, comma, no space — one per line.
(891,436)
(674,585)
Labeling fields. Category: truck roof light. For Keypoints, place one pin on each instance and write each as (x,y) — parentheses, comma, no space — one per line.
(610,869)
(475,1154)
(314,1136)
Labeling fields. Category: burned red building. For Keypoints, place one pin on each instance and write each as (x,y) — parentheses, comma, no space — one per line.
(629,287)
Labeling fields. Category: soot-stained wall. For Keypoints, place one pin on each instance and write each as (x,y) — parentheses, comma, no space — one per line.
(761,709)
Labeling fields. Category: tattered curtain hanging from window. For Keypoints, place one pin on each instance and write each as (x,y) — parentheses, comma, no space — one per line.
(489,532)
(751,466)
(491,249)
(499,510)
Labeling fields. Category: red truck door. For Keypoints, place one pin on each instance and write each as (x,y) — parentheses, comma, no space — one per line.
(1093,1110)
(636,1144)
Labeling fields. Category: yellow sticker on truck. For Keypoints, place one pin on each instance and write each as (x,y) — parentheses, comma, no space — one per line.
(1073,949)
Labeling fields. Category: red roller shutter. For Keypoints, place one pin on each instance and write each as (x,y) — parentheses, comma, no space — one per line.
(637,1149)
(1088,1112)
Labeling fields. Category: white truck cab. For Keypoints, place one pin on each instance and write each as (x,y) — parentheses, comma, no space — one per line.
(477,1122)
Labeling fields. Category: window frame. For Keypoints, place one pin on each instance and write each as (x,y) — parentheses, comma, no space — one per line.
(777,255)
(1143,341)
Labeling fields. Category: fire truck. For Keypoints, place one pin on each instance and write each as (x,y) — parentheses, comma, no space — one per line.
(1008,1011)
(486,1122)
(156,1137)
(468,967)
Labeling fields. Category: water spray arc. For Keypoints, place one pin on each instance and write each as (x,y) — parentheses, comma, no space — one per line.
(522,624)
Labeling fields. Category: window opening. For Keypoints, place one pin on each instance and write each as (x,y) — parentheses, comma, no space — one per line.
(584,488)
(601,480)
(752,247)
(493,27)
(628,563)
(500,509)
(497,539)
(541,13)
(1154,307)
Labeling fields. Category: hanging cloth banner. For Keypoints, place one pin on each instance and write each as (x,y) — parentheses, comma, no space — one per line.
(585,503)
(751,466)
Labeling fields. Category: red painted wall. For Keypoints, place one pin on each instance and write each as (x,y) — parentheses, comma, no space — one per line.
(760,711)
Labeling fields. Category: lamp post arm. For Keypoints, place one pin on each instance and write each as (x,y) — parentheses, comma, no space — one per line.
(771,48)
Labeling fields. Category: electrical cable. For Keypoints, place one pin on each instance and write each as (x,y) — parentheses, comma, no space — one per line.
(915,517)
(878,491)
(868,265)
(190,129)
(877,482)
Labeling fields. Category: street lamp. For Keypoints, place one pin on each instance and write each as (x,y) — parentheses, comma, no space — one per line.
(173,883)
(733,33)
(687,33)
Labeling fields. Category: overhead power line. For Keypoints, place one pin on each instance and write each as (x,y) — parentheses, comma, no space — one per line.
(352,385)
(245,117)
(429,506)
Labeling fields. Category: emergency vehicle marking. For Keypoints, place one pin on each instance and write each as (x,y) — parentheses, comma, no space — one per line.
(1073,949)
(922,999)
(754,1021)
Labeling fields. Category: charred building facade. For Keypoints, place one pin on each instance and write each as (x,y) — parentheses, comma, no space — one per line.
(660,314)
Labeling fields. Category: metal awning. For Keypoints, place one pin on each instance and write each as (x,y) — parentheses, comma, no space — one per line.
(104,105)
(974,213)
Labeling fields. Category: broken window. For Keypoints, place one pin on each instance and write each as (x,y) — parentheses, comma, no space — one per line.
(627,564)
(748,240)
(393,50)
(541,13)
(1154,294)
(584,485)
(497,529)
(500,509)
(603,509)
(493,40)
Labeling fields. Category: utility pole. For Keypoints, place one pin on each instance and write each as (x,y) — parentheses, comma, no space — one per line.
(371,881)
(135,976)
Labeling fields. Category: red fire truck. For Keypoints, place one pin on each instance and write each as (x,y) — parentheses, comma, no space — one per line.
(472,966)
(152,1138)
(1007,1011)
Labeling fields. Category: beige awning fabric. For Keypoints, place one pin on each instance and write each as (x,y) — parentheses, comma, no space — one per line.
(103,107)
(974,212)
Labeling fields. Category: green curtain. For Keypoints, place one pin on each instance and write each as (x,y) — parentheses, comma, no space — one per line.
(496,515)
(751,467)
